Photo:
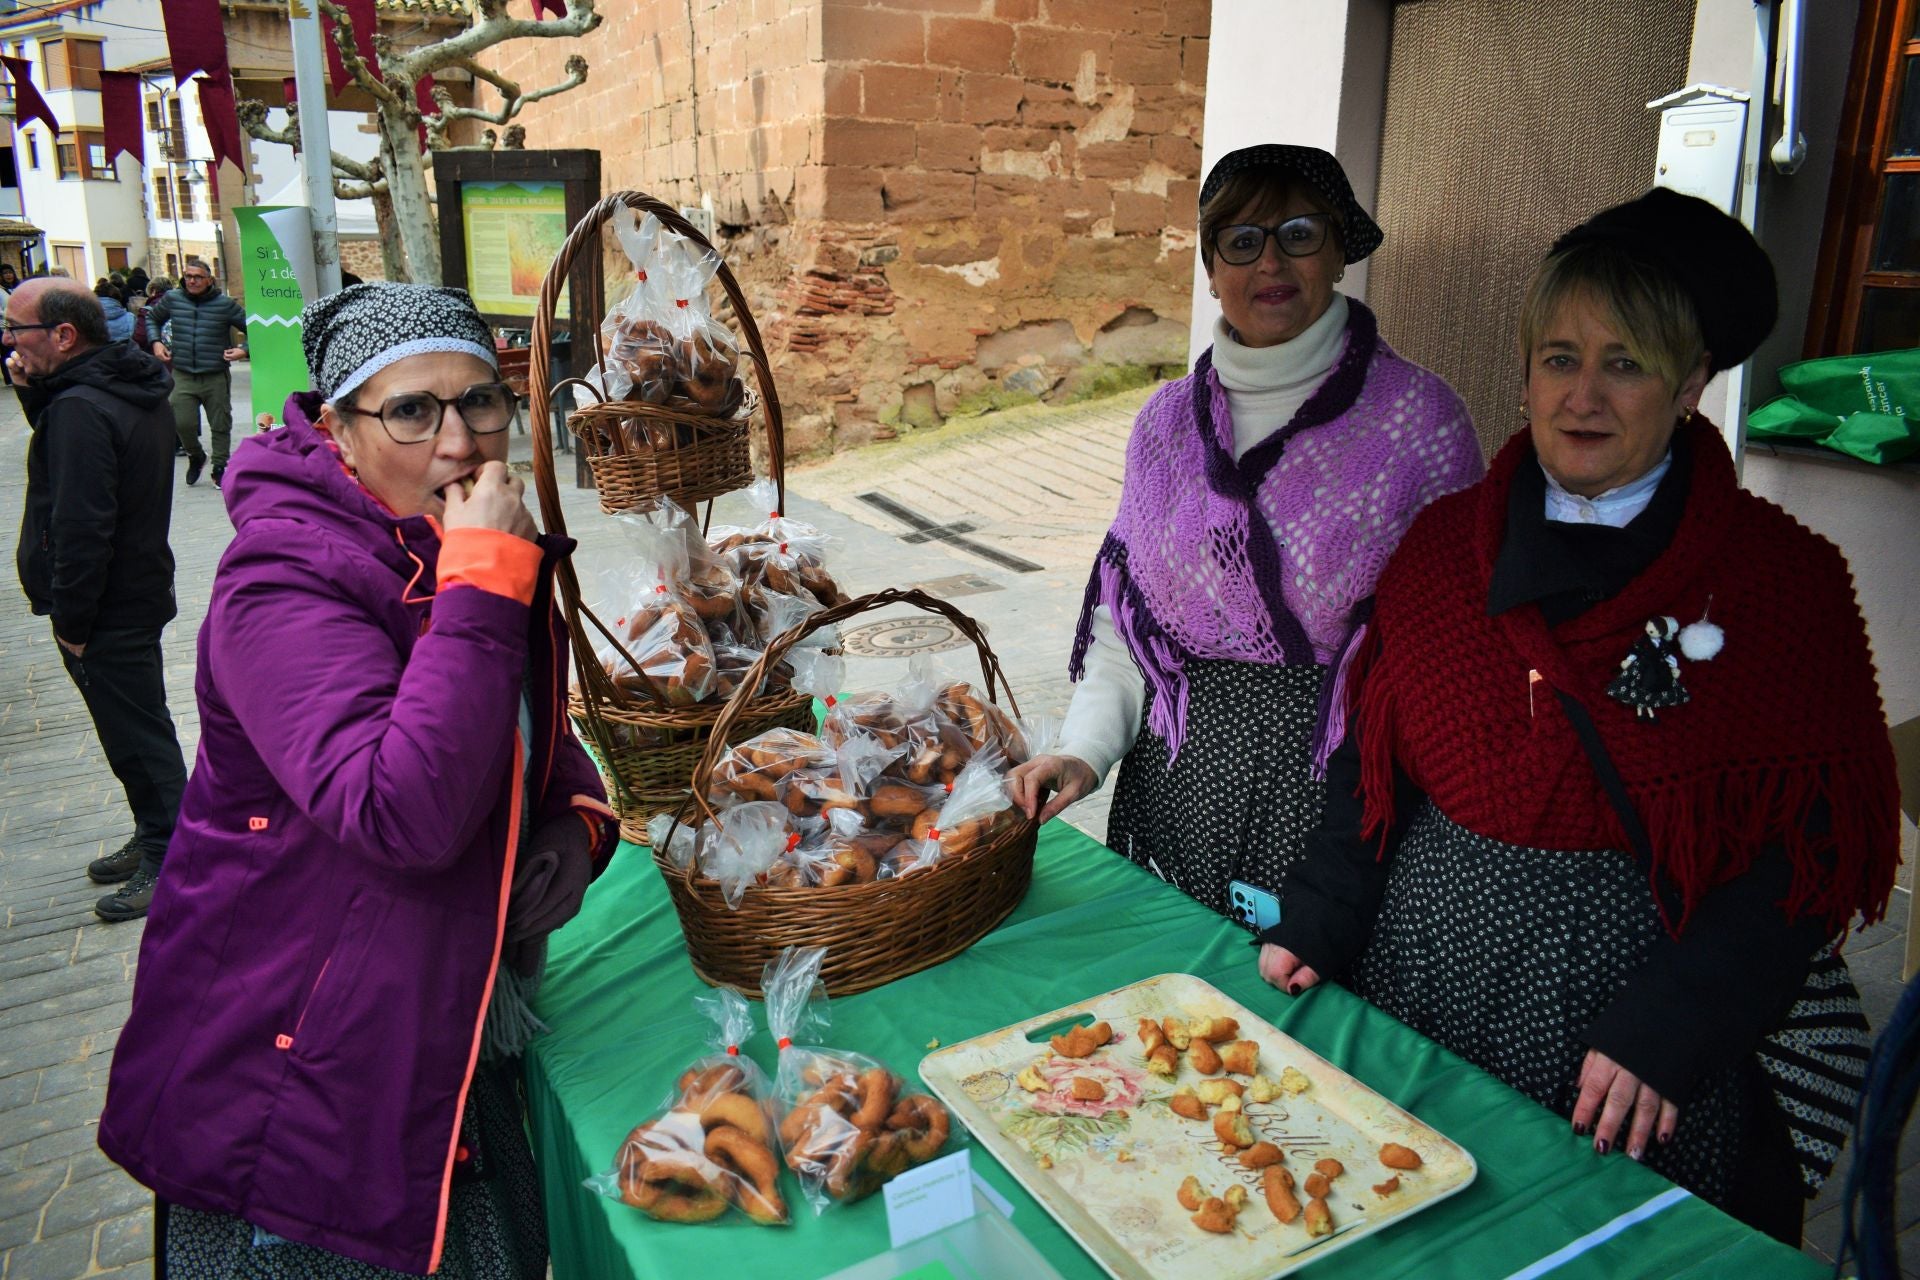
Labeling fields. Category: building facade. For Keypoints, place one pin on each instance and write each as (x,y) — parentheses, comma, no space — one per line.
(91,211)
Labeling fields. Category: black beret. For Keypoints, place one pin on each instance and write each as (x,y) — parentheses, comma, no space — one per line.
(1360,235)
(1710,254)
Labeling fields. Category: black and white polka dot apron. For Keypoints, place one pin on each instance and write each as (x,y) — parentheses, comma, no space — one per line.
(1505,954)
(1238,802)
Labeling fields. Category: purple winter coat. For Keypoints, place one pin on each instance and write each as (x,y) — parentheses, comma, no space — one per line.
(322,945)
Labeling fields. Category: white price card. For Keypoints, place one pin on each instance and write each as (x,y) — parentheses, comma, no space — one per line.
(930,1198)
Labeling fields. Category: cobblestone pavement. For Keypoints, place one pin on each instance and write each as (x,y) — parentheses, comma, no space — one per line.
(1037,485)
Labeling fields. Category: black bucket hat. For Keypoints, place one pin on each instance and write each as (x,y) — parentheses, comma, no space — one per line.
(1710,254)
(1360,235)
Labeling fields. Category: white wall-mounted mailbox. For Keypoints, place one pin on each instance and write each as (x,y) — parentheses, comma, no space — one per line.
(1702,136)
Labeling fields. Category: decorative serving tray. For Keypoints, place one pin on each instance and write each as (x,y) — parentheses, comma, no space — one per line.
(1109,1170)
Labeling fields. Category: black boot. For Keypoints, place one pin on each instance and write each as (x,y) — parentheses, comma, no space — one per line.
(194,467)
(118,865)
(131,900)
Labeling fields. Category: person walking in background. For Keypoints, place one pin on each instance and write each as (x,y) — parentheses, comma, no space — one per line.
(93,551)
(119,319)
(203,320)
(9,281)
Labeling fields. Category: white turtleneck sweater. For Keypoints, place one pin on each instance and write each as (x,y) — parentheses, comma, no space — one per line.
(1265,387)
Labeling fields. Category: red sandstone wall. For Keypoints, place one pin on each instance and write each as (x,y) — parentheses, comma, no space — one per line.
(928,200)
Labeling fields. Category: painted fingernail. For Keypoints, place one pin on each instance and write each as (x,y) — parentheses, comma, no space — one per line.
(1580,1128)
(1601,1145)
(1637,1153)
(1293,988)
(1664,1138)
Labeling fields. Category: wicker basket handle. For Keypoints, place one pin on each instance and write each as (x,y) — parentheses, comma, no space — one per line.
(585,237)
(717,745)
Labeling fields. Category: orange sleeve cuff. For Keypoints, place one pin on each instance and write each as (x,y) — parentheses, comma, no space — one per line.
(490,559)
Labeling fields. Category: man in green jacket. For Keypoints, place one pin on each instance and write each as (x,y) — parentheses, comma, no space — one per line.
(202,320)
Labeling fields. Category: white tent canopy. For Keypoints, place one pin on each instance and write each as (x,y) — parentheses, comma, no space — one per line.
(354,218)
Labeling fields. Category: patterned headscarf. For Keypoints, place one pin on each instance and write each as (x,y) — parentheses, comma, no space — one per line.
(1360,235)
(351,335)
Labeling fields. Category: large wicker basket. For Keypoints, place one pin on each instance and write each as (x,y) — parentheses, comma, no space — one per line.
(647,748)
(873,932)
(693,454)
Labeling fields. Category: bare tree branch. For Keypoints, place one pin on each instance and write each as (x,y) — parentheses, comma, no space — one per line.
(356,190)
(366,77)
(576,76)
(253,119)
(508,89)
(494,26)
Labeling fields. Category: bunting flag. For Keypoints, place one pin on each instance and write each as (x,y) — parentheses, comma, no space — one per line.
(222,120)
(120,114)
(196,41)
(28,104)
(540,8)
(364,22)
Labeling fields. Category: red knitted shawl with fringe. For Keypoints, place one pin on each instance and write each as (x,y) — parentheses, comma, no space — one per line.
(1787,715)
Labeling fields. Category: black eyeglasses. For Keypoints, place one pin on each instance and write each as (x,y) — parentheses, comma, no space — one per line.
(10,328)
(414,417)
(1299,237)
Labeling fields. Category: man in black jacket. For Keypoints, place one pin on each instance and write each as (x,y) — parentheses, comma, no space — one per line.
(200,352)
(93,551)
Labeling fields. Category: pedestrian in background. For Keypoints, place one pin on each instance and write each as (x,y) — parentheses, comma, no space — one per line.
(201,352)
(119,319)
(93,551)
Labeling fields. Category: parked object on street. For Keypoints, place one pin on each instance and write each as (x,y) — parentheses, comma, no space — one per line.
(94,555)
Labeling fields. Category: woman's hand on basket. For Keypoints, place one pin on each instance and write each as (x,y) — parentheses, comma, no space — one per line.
(1067,777)
(1610,1095)
(1283,969)
(498,501)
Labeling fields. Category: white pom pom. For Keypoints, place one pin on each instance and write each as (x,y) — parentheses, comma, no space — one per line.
(1699,641)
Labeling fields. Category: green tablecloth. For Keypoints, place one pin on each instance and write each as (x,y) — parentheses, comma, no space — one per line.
(618,998)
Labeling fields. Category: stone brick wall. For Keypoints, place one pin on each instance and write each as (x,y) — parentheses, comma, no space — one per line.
(932,203)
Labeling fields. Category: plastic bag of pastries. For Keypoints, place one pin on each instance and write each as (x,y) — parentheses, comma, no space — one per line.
(703,579)
(756,768)
(639,349)
(971,816)
(740,848)
(705,354)
(846,784)
(982,721)
(848,1124)
(660,631)
(674,839)
(781,553)
(712,1143)
(844,850)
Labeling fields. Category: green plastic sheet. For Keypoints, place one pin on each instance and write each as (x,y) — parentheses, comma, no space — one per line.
(1867,406)
(618,998)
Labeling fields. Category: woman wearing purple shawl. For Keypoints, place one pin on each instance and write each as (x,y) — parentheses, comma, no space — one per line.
(1263,495)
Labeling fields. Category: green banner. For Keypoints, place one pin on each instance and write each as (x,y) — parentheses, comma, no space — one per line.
(275,253)
(513,233)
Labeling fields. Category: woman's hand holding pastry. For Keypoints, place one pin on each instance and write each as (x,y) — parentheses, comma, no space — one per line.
(493,498)
(1067,777)
(1284,970)
(1615,1096)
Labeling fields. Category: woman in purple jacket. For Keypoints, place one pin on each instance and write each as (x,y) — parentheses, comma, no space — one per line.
(387,816)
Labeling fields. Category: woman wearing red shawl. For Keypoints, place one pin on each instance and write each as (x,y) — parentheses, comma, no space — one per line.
(1617,775)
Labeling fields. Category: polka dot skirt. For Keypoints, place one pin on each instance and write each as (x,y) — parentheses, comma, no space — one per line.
(1505,954)
(495,1227)
(1238,802)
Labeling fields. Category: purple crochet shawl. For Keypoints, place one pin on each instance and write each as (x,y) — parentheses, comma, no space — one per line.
(1270,558)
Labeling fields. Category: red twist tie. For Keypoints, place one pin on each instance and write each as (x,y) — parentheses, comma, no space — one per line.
(783,548)
(786,1042)
(661,589)
(949,787)
(641,274)
(793,838)
(933,833)
(733,1050)
(679,302)
(831,700)
(773,515)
